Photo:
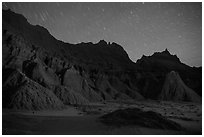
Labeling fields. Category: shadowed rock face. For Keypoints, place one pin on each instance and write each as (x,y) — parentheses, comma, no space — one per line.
(41,73)
(20,92)
(99,55)
(76,74)
(161,61)
(154,68)
(129,117)
(69,96)
(91,72)
(175,89)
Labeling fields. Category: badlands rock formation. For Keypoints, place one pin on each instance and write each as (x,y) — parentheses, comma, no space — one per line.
(61,73)
(175,89)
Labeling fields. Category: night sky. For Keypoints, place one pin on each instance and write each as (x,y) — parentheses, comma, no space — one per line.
(141,28)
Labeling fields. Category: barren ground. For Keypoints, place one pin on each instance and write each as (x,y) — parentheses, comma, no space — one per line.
(84,120)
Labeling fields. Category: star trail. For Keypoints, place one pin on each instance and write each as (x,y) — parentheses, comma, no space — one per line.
(141,28)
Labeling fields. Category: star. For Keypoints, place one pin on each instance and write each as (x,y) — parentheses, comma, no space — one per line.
(179,14)
(61,13)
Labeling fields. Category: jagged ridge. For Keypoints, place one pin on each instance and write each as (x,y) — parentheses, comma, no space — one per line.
(91,72)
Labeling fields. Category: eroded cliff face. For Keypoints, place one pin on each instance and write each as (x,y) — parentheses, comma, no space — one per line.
(80,73)
(75,74)
(21,92)
(175,89)
(155,68)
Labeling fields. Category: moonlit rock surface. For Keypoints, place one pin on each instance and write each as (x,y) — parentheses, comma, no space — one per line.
(175,89)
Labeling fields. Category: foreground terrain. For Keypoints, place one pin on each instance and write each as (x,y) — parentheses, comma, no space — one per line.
(85,120)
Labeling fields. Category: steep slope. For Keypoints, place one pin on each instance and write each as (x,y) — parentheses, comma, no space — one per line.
(91,72)
(154,69)
(76,74)
(20,92)
(99,55)
(69,96)
(175,89)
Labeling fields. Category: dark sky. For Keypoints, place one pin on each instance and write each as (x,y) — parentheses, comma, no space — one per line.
(141,28)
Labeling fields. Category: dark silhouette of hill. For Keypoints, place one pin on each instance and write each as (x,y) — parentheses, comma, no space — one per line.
(155,68)
(75,73)
(84,72)
(162,61)
(135,116)
(97,54)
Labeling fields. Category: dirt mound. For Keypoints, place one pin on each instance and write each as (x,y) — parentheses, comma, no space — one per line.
(175,89)
(20,92)
(69,96)
(135,116)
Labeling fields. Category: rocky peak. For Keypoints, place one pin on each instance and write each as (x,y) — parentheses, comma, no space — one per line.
(103,53)
(166,51)
(102,42)
(163,53)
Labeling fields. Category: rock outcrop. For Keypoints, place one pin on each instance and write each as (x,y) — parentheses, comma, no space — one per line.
(69,96)
(75,74)
(41,73)
(175,89)
(81,73)
(20,92)
(153,70)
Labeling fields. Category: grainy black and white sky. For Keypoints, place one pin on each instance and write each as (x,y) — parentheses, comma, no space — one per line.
(141,28)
